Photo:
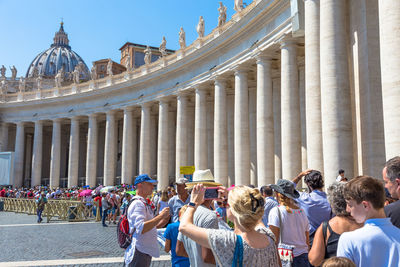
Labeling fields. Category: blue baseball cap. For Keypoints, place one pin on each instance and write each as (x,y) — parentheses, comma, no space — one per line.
(144,178)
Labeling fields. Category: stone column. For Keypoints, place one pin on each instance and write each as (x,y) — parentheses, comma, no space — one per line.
(172,143)
(37,154)
(303,121)
(91,153)
(253,135)
(4,136)
(389,21)
(190,133)
(144,152)
(210,132)
(163,145)
(290,111)
(200,130)
(335,91)
(55,162)
(19,155)
(220,132)
(181,133)
(73,159)
(230,113)
(127,147)
(110,149)
(242,142)
(276,94)
(153,141)
(265,122)
(315,157)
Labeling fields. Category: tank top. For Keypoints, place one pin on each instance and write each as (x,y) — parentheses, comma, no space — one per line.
(332,242)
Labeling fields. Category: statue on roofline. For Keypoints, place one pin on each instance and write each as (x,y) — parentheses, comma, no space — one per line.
(128,63)
(200,27)
(147,55)
(109,67)
(59,78)
(3,71)
(93,72)
(13,72)
(163,47)
(75,74)
(22,84)
(182,38)
(222,14)
(238,5)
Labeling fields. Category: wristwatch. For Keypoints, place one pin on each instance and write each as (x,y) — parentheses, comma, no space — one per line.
(192,204)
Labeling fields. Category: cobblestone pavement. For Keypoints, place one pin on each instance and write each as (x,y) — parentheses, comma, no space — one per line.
(22,239)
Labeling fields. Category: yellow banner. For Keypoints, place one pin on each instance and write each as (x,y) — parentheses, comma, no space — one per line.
(187,169)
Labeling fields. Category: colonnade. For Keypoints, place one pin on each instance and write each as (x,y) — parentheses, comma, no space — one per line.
(303,102)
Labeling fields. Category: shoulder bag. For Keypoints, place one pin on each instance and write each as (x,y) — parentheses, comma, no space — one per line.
(285,251)
(238,256)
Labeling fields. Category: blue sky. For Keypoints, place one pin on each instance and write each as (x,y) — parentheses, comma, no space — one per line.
(97,29)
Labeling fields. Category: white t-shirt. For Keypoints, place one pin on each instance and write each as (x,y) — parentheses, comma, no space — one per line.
(294,227)
(339,178)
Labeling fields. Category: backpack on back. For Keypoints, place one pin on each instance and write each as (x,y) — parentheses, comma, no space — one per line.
(123,232)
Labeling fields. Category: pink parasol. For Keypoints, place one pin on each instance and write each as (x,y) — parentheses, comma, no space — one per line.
(85,193)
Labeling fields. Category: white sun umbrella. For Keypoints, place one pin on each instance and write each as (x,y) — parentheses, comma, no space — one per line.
(107,189)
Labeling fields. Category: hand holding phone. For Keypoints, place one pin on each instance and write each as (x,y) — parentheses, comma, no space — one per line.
(211,193)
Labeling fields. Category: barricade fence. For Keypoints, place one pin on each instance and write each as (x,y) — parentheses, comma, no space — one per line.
(65,210)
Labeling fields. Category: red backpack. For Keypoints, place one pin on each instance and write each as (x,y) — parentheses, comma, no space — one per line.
(123,232)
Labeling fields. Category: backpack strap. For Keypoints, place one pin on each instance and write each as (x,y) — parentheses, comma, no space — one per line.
(324,231)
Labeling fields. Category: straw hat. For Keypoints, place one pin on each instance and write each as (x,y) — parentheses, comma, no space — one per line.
(203,177)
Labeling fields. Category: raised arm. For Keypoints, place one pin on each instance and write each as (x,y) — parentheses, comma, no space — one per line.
(297,179)
(186,227)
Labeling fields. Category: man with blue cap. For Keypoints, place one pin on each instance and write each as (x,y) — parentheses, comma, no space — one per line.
(142,224)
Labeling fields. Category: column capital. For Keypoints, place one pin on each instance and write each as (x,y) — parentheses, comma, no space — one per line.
(200,88)
(57,120)
(241,69)
(164,101)
(93,115)
(219,80)
(111,112)
(287,41)
(39,122)
(20,123)
(129,109)
(75,119)
(182,96)
(146,105)
(263,58)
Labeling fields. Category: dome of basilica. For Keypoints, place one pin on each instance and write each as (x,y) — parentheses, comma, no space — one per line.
(59,57)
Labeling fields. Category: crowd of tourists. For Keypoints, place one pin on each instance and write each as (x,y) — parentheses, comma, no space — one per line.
(356,222)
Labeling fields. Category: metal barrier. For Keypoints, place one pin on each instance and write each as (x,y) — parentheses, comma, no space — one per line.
(65,210)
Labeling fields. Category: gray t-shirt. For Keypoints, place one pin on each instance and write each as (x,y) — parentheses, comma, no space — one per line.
(223,244)
(205,218)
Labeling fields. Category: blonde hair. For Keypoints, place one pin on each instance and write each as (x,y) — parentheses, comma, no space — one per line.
(338,262)
(164,195)
(242,201)
(285,201)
